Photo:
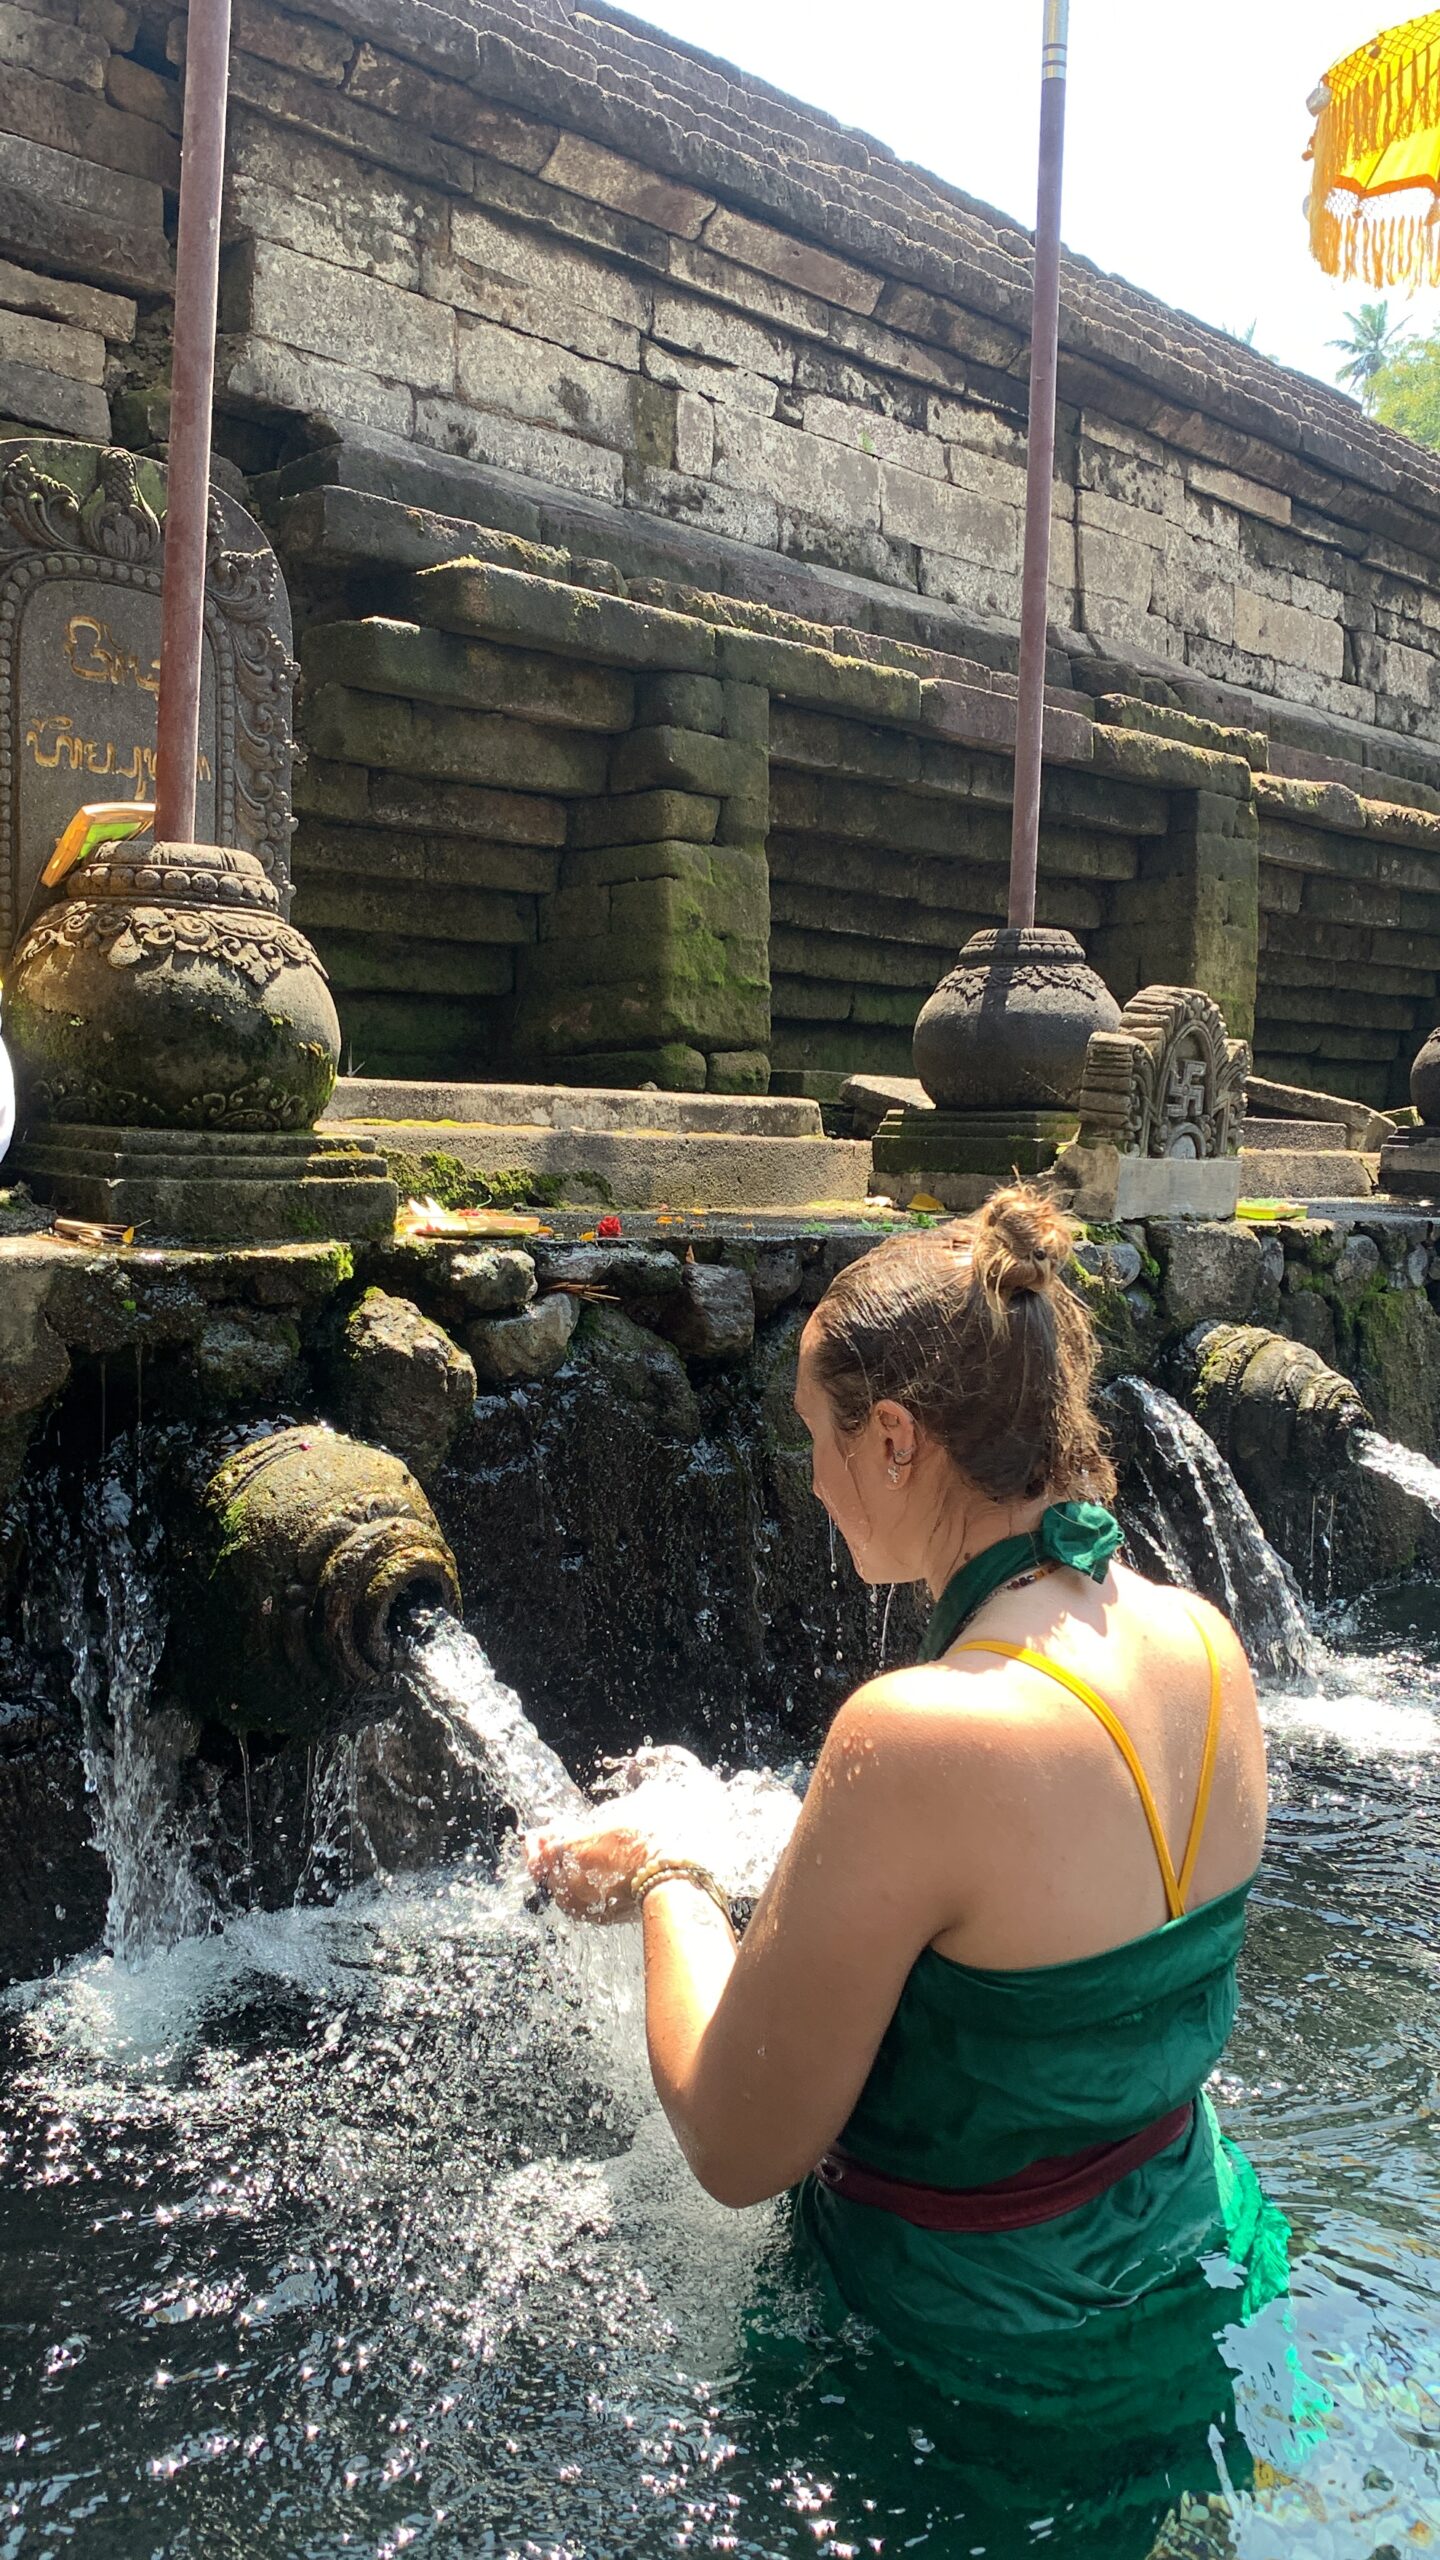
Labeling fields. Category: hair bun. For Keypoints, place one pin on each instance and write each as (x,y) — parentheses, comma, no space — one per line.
(1019,1244)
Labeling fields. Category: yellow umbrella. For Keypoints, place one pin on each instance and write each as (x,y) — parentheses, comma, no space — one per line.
(1375,201)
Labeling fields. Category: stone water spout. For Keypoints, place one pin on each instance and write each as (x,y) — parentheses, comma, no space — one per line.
(1284,1420)
(314,1554)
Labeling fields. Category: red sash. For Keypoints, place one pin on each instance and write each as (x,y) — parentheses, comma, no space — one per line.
(1041,2193)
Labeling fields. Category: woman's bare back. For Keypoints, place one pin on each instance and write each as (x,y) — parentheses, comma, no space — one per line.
(1060,1863)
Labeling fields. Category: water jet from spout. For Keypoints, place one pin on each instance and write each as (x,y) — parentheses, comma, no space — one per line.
(1397,1465)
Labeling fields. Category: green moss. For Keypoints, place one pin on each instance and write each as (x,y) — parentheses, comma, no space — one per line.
(1110,1231)
(455,1185)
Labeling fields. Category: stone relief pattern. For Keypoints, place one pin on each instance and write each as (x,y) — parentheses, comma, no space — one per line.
(131,871)
(1169,1082)
(260,1103)
(1037,973)
(130,937)
(115,536)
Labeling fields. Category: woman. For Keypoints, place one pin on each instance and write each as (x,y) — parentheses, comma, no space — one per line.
(974,2012)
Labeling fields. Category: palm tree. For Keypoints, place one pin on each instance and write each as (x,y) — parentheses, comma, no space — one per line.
(1374,342)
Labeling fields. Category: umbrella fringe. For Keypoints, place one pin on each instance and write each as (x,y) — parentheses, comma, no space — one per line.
(1379,247)
(1371,103)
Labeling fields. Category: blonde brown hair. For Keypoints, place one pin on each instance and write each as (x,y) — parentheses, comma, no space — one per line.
(972,1328)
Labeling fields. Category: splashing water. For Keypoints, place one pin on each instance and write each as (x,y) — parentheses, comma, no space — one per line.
(1193,1526)
(359,2229)
(736,1827)
(1399,1466)
(113,1626)
(451,1676)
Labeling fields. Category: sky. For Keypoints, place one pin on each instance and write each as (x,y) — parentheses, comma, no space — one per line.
(1186,130)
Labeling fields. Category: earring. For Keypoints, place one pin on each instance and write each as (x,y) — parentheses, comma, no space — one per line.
(894,1474)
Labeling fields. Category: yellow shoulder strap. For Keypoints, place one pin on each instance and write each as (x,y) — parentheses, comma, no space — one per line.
(1207,1760)
(1105,1715)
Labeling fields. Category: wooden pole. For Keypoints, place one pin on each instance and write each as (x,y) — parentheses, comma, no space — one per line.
(197,277)
(1040,472)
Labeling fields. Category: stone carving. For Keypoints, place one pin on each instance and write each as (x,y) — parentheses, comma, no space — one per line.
(81,553)
(1169,1082)
(134,937)
(308,1551)
(1008,1028)
(166,991)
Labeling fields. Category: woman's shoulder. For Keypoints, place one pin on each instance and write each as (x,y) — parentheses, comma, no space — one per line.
(1164,1612)
(926,1700)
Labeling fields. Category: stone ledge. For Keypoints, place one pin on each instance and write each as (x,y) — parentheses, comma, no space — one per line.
(639,1168)
(577,1107)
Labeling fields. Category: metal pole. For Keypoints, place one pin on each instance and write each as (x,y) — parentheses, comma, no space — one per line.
(197,276)
(1035,586)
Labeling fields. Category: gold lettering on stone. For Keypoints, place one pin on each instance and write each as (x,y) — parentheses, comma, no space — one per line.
(53,744)
(97,657)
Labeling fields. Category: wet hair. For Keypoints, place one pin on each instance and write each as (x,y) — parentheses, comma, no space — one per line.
(973,1329)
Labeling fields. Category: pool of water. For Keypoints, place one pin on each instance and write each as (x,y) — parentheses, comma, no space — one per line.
(357,2231)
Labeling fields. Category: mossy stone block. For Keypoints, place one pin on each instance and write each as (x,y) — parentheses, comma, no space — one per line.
(321,789)
(681,702)
(573,621)
(665,859)
(738,1071)
(404,800)
(381,656)
(734,901)
(644,817)
(640,1012)
(575,913)
(671,1065)
(425,913)
(670,758)
(388,854)
(449,745)
(378,964)
(892,1005)
(797,673)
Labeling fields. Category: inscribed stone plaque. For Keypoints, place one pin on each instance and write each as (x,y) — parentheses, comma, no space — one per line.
(81,554)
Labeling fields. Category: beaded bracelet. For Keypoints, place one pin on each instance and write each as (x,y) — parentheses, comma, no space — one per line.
(678,1871)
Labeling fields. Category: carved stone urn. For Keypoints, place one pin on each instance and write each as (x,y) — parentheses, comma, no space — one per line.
(1000,1049)
(176,1041)
(167,992)
(1010,1026)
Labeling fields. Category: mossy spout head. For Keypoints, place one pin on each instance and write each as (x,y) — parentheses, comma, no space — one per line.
(319,1548)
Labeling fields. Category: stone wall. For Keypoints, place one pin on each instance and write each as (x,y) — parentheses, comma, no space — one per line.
(529,286)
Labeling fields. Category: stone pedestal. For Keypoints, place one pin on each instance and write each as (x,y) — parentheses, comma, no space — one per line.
(214,1186)
(960,1157)
(1104,1184)
(1410,1161)
(1410,1164)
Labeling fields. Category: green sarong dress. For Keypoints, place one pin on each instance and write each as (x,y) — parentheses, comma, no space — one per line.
(1106,2319)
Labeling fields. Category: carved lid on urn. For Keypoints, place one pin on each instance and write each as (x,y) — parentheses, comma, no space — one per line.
(175,875)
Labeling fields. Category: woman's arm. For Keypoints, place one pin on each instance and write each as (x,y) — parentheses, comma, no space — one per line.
(760,2052)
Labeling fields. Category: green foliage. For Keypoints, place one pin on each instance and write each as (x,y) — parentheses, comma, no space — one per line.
(1405,391)
(1375,344)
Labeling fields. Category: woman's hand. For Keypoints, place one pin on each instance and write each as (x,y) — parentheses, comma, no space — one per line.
(590,1874)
